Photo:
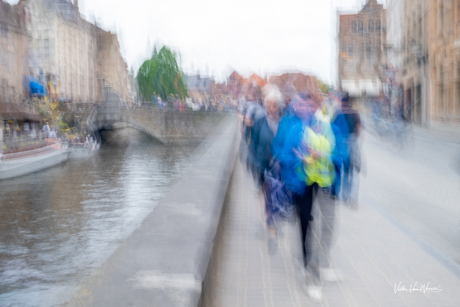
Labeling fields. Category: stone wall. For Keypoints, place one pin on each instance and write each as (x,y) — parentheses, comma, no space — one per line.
(166,126)
(173,126)
(165,261)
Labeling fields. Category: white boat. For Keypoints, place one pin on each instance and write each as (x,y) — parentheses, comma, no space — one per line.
(80,151)
(30,161)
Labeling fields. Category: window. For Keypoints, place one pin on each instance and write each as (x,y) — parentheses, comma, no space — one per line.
(458,70)
(368,51)
(11,62)
(350,50)
(458,11)
(420,26)
(458,98)
(3,55)
(458,89)
(377,26)
(3,31)
(343,50)
(355,26)
(441,18)
(4,86)
(441,92)
(360,27)
(371,26)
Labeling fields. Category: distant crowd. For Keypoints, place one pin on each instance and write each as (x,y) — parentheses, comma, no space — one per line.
(202,103)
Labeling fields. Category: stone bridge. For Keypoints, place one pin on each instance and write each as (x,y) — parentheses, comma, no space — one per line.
(165,126)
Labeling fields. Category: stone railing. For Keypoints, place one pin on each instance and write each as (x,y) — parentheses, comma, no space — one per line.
(165,261)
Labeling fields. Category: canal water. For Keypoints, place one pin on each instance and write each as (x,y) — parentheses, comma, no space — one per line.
(59,225)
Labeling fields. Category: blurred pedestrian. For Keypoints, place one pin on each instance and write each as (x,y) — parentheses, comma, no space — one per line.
(340,127)
(307,164)
(328,139)
(255,111)
(353,121)
(26,128)
(263,132)
(286,147)
(46,130)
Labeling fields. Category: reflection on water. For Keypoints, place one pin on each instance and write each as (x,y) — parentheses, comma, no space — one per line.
(58,225)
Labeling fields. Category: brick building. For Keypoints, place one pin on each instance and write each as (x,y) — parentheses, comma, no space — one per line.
(294,81)
(235,83)
(361,42)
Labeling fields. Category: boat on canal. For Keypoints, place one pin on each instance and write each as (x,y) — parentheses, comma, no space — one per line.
(30,161)
(82,151)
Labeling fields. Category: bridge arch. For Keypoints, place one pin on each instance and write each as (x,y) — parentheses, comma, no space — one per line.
(165,126)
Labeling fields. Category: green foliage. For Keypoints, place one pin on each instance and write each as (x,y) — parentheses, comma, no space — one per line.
(324,87)
(55,114)
(160,75)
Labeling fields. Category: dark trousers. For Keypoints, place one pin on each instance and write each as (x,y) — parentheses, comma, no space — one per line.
(266,189)
(304,204)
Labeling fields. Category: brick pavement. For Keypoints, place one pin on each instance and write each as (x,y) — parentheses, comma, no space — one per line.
(372,251)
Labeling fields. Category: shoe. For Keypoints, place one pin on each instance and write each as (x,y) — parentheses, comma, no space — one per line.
(353,203)
(315,293)
(272,245)
(331,275)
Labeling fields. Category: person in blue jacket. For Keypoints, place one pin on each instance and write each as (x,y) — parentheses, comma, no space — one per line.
(340,126)
(285,147)
(288,139)
(292,119)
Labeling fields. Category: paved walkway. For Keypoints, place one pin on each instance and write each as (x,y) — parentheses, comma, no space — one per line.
(373,250)
(448,132)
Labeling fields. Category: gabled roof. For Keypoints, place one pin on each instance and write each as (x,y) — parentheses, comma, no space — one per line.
(235,76)
(257,79)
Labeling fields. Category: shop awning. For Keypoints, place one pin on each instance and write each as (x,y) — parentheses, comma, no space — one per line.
(35,88)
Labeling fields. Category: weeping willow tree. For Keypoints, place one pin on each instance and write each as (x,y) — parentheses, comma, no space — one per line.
(161,75)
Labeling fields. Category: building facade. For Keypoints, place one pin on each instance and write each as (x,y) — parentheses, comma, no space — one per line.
(62,50)
(430,53)
(361,43)
(14,48)
(75,60)
(395,33)
(111,68)
(441,20)
(414,65)
(291,82)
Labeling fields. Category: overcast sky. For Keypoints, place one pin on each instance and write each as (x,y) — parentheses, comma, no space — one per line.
(218,36)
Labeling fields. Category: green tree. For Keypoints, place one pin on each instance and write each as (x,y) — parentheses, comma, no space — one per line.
(161,75)
(324,87)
